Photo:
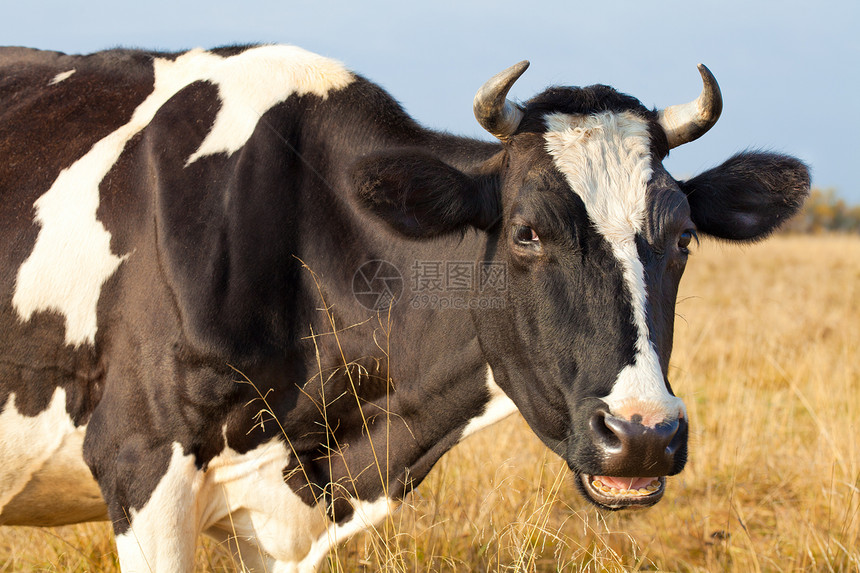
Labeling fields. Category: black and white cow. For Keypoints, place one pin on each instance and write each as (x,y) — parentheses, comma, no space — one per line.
(191,247)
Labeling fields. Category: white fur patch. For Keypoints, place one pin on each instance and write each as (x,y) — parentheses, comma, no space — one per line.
(497,409)
(72,259)
(243,501)
(60,77)
(607,162)
(244,497)
(240,499)
(254,81)
(163,533)
(43,477)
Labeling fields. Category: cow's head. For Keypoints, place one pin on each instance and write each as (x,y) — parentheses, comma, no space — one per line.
(595,235)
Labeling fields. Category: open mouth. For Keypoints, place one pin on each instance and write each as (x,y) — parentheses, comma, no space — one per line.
(622,492)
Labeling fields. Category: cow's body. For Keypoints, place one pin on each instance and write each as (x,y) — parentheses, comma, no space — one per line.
(183,349)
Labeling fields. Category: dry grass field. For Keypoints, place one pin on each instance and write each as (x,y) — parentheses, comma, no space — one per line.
(767,358)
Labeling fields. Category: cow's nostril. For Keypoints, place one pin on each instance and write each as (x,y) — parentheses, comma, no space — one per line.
(677,435)
(604,436)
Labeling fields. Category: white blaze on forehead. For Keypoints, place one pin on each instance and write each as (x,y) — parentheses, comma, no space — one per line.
(606,160)
(72,258)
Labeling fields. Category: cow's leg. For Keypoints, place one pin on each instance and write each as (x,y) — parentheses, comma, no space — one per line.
(158,535)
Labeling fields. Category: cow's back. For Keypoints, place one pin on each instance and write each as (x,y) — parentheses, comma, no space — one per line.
(54,107)
(53,110)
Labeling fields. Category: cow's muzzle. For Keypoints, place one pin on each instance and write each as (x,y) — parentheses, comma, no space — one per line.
(634,460)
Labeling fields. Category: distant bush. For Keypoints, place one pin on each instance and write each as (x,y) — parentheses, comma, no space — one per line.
(825,211)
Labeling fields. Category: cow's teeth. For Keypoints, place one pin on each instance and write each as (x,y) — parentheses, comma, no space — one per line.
(613,491)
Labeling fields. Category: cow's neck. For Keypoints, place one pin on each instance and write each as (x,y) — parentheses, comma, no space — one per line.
(384,395)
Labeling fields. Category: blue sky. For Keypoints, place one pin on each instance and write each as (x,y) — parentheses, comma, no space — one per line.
(789,70)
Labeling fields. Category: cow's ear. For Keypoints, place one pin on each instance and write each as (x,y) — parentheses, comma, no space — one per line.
(747,197)
(420,196)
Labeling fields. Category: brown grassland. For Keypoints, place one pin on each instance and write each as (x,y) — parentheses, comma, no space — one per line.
(767,358)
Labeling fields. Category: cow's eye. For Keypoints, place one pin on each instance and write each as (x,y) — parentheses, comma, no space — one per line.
(526,236)
(685,239)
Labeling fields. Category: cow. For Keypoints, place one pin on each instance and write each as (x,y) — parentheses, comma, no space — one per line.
(245,294)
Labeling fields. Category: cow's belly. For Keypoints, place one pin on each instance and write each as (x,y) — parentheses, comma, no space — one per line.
(43,478)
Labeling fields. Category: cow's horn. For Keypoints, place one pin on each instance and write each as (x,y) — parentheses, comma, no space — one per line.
(685,122)
(493,110)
